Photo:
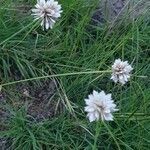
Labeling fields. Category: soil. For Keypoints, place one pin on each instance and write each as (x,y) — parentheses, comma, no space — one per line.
(110,10)
(3,142)
(107,10)
(41,100)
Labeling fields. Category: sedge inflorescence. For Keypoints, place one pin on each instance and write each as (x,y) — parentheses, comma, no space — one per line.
(47,12)
(100,106)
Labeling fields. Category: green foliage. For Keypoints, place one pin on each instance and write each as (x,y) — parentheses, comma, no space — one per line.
(76,45)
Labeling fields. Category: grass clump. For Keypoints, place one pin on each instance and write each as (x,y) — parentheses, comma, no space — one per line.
(73,54)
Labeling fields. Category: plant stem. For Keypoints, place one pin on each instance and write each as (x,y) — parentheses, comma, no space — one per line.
(56,75)
(98,128)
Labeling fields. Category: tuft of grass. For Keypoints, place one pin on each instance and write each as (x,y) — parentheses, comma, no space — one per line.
(69,53)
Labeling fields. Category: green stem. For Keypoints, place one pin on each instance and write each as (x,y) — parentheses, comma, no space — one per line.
(55,75)
(112,135)
(98,128)
(135,114)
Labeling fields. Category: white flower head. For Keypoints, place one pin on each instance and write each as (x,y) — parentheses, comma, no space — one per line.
(121,71)
(48,11)
(100,106)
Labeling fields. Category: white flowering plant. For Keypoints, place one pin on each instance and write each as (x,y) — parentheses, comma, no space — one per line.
(100,106)
(47,11)
(99,98)
(121,71)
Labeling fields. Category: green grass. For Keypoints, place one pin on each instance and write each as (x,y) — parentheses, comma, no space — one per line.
(70,52)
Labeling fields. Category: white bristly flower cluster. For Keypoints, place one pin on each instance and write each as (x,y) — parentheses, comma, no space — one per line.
(121,71)
(48,12)
(100,106)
